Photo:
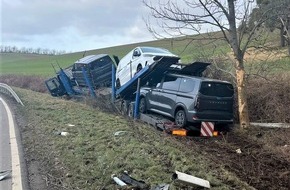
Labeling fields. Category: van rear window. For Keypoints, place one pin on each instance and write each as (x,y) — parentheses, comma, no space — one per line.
(216,89)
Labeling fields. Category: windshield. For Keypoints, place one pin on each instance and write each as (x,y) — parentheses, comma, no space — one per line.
(153,50)
(216,89)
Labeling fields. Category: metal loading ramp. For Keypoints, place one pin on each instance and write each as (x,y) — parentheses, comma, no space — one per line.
(155,70)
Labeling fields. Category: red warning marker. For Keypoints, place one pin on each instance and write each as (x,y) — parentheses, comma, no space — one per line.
(207,129)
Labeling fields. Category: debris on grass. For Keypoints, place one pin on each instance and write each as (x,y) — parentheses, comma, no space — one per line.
(132,181)
(162,186)
(271,125)
(118,180)
(238,151)
(118,133)
(189,180)
(62,133)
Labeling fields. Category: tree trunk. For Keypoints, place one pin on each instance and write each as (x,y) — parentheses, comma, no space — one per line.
(242,99)
(288,30)
(288,45)
(240,71)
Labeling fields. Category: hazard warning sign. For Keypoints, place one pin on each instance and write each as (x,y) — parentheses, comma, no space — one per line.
(207,129)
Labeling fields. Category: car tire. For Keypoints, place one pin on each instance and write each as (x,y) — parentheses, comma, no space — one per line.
(118,84)
(180,118)
(142,105)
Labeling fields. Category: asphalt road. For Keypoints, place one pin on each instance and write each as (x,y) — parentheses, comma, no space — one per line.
(9,154)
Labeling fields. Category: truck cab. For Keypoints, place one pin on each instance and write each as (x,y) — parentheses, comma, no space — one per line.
(55,87)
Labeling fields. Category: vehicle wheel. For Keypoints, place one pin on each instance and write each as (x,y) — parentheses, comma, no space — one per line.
(139,68)
(118,84)
(180,118)
(142,105)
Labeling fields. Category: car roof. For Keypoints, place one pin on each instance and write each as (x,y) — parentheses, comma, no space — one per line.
(150,47)
(194,69)
(197,78)
(90,58)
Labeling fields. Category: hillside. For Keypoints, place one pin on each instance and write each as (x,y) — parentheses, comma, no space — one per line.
(30,64)
(188,49)
(94,149)
(92,152)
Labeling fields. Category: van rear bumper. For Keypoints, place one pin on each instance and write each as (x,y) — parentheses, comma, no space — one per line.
(211,116)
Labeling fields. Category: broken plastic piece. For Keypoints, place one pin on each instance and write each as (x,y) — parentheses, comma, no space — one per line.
(118,181)
(134,182)
(162,186)
(4,174)
(119,133)
(63,133)
(189,179)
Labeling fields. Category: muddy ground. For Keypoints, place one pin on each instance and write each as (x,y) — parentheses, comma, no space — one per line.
(264,158)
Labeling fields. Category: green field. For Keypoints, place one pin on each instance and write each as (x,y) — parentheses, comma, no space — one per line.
(186,48)
(32,64)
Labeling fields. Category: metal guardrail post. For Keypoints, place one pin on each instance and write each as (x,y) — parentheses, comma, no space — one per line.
(4,88)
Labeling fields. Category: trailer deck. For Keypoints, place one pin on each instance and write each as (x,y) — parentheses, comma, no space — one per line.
(155,70)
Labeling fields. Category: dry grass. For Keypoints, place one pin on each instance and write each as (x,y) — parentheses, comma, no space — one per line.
(269,100)
(35,83)
(91,153)
(265,54)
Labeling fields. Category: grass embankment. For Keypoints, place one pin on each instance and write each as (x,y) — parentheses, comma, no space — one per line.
(91,153)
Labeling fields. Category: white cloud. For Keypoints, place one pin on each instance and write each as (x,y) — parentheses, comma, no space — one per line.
(72,25)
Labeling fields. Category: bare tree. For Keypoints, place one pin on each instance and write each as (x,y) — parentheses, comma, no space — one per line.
(188,17)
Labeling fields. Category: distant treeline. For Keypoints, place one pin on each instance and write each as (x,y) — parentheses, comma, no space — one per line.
(41,51)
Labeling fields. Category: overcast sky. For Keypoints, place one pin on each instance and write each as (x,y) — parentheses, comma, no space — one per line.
(72,25)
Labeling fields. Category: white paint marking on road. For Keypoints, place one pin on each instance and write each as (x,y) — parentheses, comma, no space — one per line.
(16,169)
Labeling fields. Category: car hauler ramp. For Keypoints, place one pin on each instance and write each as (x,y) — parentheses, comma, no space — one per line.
(192,69)
(153,71)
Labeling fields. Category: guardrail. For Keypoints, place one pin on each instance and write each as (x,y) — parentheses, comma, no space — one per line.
(4,88)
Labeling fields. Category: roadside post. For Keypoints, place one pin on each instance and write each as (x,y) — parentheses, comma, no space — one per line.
(88,82)
(136,107)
